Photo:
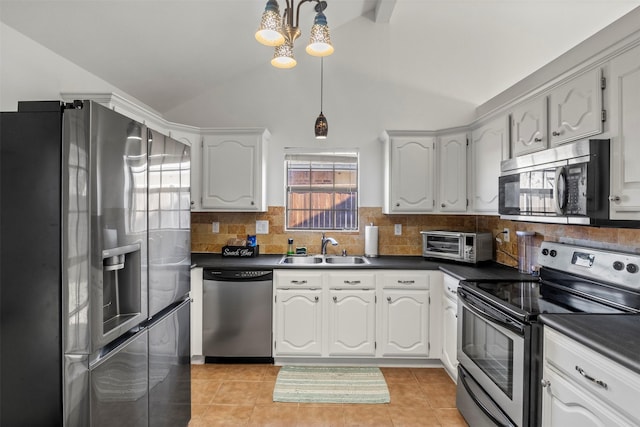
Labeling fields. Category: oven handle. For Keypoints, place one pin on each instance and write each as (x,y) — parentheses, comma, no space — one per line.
(505,321)
(462,378)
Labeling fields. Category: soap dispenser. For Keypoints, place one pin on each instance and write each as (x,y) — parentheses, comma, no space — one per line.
(290,248)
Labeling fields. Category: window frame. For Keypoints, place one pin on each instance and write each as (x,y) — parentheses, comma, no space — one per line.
(323,156)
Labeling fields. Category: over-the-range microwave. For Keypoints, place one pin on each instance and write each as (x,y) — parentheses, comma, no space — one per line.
(457,246)
(568,184)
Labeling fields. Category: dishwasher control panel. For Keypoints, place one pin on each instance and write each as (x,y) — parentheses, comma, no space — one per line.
(237,275)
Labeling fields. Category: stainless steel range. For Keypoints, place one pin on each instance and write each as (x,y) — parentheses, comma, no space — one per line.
(500,338)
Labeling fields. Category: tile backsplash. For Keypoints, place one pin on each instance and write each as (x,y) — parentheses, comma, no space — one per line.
(239,225)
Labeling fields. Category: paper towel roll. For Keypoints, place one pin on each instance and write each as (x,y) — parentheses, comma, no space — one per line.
(371,241)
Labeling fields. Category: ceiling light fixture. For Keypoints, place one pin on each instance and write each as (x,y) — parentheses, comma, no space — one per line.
(321,127)
(281,32)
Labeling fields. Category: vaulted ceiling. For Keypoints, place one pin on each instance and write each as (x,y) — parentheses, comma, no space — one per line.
(166,52)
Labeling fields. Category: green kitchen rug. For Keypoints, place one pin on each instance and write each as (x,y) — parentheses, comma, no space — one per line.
(327,384)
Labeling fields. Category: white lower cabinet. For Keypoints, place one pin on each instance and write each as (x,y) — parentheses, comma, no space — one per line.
(298,322)
(352,317)
(583,388)
(356,313)
(565,404)
(450,325)
(405,323)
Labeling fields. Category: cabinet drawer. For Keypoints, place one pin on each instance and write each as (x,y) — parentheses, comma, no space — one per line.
(450,287)
(605,379)
(406,280)
(352,280)
(303,279)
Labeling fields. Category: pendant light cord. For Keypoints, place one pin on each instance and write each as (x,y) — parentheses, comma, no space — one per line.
(321,80)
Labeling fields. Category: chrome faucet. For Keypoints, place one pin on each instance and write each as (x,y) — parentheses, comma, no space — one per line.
(326,240)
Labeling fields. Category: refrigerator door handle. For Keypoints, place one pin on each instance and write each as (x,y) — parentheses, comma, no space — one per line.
(112,349)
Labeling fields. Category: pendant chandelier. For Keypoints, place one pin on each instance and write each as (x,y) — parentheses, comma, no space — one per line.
(281,32)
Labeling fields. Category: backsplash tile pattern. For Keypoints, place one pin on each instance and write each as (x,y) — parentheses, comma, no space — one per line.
(239,225)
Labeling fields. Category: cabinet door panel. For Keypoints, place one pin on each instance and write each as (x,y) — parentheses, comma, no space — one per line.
(564,404)
(453,173)
(625,129)
(449,335)
(352,322)
(298,322)
(405,323)
(575,108)
(529,127)
(489,146)
(233,172)
(412,175)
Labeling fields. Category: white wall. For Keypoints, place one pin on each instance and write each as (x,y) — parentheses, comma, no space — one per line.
(31,72)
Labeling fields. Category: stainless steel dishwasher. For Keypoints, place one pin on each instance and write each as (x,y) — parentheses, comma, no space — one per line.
(236,315)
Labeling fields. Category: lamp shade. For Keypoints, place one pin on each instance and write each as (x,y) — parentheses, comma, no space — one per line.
(321,127)
(270,31)
(283,56)
(320,40)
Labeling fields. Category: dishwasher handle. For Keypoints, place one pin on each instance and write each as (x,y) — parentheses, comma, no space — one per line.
(220,275)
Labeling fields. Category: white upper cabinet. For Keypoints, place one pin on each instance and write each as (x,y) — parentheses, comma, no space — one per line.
(575,108)
(234,170)
(625,140)
(452,173)
(410,173)
(529,127)
(489,146)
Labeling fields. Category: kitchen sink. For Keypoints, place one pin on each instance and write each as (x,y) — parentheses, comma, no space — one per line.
(301,260)
(320,260)
(346,260)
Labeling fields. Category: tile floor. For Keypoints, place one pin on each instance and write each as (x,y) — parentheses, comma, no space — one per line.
(241,395)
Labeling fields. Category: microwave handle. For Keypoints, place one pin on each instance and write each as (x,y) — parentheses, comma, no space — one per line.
(560,190)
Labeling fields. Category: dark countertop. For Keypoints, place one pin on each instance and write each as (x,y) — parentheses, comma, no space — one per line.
(616,336)
(485,271)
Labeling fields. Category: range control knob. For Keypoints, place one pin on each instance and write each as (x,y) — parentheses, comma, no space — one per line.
(545,251)
(553,252)
(632,268)
(618,265)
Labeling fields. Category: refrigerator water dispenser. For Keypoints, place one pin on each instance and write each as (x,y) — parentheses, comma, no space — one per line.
(121,297)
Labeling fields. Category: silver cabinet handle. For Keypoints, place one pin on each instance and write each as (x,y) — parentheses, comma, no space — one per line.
(555,133)
(537,139)
(590,378)
(317,298)
(389,299)
(452,291)
(406,282)
(298,282)
(443,205)
(614,198)
(335,299)
(545,383)
(352,282)
(397,204)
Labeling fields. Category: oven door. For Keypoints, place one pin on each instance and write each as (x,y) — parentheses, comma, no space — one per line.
(491,349)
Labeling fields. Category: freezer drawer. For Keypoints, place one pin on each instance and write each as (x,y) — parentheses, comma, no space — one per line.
(119,385)
(170,368)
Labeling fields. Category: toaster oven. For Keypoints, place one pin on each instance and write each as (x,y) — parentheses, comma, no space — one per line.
(457,246)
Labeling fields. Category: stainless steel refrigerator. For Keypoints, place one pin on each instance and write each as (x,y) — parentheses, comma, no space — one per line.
(169,213)
(75,328)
